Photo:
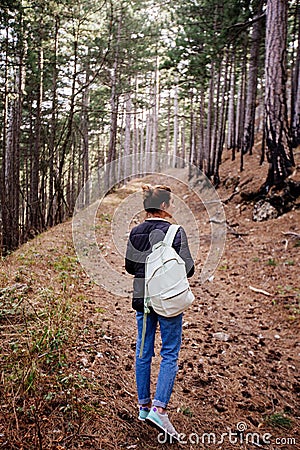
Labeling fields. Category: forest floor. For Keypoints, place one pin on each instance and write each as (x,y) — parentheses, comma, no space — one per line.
(68,345)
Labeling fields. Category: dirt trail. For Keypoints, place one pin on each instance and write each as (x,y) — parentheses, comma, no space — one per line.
(248,375)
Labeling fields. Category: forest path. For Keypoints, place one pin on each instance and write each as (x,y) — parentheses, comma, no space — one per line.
(81,340)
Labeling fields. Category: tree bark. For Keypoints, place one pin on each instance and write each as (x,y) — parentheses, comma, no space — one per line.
(155,115)
(35,213)
(248,129)
(295,100)
(149,122)
(5,241)
(127,141)
(168,132)
(240,109)
(85,133)
(60,212)
(209,124)
(182,132)
(192,152)
(216,113)
(279,152)
(142,144)
(175,134)
(231,136)
(114,105)
(135,135)
(10,192)
(200,158)
(221,121)
(53,128)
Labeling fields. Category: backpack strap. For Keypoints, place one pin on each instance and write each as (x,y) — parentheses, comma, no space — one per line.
(170,235)
(146,312)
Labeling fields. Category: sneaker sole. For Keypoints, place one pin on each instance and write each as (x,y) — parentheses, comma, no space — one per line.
(170,437)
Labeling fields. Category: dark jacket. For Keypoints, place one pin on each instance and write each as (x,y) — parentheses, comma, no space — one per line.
(140,242)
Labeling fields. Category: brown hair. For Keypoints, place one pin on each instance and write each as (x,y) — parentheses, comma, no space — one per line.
(154,196)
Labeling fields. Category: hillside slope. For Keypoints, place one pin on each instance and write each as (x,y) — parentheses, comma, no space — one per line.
(67,345)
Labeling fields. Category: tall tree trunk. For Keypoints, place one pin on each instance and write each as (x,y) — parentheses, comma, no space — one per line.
(175,135)
(279,152)
(85,132)
(59,179)
(231,137)
(168,132)
(75,187)
(120,168)
(295,100)
(5,241)
(155,115)
(201,151)
(149,122)
(114,105)
(192,152)
(221,121)
(248,129)
(142,143)
(240,109)
(183,145)
(53,126)
(35,213)
(11,149)
(240,116)
(216,112)
(135,135)
(127,141)
(209,123)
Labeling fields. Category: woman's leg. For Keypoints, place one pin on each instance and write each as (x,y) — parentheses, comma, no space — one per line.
(171,332)
(143,365)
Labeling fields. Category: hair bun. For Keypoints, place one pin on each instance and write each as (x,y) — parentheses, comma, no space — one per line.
(147,190)
(164,187)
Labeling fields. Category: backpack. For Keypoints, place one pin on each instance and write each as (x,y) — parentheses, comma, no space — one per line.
(167,288)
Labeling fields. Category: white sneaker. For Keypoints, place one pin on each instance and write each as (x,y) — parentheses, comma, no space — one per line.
(162,423)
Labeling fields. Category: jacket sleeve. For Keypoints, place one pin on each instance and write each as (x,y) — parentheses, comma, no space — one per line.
(129,258)
(135,253)
(182,248)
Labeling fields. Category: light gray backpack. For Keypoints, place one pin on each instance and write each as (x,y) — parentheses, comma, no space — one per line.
(167,288)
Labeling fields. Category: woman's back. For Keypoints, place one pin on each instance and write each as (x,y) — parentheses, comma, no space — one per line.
(141,240)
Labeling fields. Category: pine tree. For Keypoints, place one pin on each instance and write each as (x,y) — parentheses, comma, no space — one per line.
(279,152)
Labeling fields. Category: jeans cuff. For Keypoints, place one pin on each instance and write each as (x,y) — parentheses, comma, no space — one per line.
(159,404)
(144,401)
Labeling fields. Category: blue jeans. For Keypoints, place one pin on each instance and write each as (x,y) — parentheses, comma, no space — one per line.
(171,331)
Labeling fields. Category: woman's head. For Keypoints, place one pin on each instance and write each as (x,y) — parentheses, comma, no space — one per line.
(156,199)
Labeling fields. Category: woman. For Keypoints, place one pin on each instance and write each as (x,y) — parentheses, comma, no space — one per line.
(157,204)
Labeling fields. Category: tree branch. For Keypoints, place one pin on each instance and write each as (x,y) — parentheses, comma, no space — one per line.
(248,23)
